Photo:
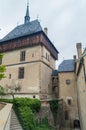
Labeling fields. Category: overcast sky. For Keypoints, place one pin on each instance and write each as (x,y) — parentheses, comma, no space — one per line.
(65,20)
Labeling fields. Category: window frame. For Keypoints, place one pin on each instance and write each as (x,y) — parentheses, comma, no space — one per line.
(22,55)
(21,73)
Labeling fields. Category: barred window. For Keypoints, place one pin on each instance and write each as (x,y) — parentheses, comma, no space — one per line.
(22,56)
(21,73)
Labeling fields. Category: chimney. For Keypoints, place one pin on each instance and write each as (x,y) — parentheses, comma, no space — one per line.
(74,57)
(79,49)
(46,30)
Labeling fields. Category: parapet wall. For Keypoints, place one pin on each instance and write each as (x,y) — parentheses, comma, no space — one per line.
(5,114)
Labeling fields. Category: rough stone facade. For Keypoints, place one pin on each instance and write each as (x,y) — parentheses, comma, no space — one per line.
(38,66)
(81,85)
(45,113)
(67,92)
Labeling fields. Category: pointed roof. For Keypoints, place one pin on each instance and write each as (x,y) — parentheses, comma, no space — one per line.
(27,17)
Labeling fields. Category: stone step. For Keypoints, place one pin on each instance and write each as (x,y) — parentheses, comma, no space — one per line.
(15,129)
(15,125)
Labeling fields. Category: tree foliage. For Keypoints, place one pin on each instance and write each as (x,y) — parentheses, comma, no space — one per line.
(2,75)
(2,67)
(1,91)
(25,108)
(54,109)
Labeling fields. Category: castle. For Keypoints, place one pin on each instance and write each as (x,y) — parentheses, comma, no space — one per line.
(30,57)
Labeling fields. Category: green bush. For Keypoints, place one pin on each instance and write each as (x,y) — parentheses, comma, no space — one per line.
(27,117)
(1,91)
(54,109)
(34,104)
(6,100)
(24,108)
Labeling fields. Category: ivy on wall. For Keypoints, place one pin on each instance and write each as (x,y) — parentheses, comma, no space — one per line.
(54,109)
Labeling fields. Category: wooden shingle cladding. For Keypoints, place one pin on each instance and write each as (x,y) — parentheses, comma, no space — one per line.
(28,41)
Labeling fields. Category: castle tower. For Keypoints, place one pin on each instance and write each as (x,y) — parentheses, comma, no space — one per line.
(30,57)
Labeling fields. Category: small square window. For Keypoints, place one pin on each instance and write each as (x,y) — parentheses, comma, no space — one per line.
(68,81)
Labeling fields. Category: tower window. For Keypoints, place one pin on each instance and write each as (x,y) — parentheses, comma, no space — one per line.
(22,56)
(21,73)
(47,57)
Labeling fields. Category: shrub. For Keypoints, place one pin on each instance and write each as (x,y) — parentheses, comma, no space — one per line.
(6,100)
(2,91)
(24,108)
(27,117)
(34,104)
(54,109)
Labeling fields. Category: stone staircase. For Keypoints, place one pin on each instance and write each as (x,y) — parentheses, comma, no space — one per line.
(14,124)
(69,129)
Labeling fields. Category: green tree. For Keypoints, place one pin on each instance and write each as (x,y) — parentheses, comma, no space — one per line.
(2,75)
(1,91)
(2,68)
